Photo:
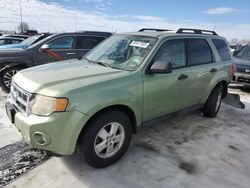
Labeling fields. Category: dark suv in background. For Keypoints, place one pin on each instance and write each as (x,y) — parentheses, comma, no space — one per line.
(56,47)
(241,68)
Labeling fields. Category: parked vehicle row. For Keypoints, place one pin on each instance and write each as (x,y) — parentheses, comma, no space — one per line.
(17,36)
(25,43)
(100,100)
(53,48)
(10,40)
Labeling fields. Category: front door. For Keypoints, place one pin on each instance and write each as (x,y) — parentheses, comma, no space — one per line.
(166,93)
(61,48)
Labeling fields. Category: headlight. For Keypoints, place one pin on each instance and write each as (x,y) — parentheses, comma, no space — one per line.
(44,106)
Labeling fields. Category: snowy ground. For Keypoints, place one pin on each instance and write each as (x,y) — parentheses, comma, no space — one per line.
(182,150)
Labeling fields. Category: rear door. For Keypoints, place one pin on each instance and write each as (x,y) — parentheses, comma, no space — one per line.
(62,47)
(202,68)
(86,43)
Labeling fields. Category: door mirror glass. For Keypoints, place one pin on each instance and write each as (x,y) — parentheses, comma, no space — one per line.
(44,47)
(160,67)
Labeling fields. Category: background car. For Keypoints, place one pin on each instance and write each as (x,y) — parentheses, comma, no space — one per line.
(10,40)
(26,43)
(241,68)
(53,48)
(236,47)
(17,36)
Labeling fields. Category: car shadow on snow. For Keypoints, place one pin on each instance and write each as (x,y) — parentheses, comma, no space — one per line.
(182,143)
(240,87)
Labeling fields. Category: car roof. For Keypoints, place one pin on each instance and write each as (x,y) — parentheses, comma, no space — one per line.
(90,33)
(168,33)
(17,36)
(12,38)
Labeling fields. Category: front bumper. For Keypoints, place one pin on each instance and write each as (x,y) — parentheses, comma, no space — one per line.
(57,133)
(241,78)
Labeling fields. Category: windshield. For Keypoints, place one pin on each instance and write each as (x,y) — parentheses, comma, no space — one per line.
(244,52)
(40,41)
(30,40)
(122,51)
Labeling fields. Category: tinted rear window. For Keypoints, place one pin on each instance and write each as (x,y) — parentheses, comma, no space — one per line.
(199,52)
(88,42)
(222,48)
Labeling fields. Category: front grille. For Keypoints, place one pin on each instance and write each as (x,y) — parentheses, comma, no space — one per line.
(242,79)
(20,98)
(241,69)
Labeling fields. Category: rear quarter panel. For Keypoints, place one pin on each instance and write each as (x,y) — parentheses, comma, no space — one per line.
(224,68)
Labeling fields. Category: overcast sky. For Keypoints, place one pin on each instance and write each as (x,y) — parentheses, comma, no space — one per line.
(229,18)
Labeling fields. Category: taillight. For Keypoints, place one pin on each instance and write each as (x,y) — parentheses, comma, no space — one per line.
(233,70)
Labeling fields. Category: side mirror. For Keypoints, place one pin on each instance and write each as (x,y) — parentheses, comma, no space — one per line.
(44,47)
(160,67)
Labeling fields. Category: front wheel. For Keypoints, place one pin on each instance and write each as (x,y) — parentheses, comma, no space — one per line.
(213,102)
(106,139)
(6,77)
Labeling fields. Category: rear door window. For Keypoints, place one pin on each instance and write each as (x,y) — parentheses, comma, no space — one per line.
(222,49)
(199,52)
(88,42)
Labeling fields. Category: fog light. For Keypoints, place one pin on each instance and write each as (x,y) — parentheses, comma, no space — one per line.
(41,138)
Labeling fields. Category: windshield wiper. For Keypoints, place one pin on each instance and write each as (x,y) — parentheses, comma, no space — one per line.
(85,58)
(102,64)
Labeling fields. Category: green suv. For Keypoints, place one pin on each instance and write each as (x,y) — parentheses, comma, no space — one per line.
(99,101)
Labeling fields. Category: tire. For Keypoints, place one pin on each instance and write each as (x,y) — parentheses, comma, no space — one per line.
(6,77)
(98,142)
(213,102)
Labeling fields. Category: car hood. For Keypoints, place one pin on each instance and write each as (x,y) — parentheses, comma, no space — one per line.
(60,77)
(242,62)
(12,46)
(9,52)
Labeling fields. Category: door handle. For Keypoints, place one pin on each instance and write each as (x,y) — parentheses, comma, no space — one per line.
(182,77)
(71,53)
(213,70)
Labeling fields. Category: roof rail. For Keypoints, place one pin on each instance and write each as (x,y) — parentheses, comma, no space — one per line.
(96,32)
(196,31)
(152,29)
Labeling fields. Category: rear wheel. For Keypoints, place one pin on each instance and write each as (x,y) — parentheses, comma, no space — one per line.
(107,139)
(213,102)
(6,77)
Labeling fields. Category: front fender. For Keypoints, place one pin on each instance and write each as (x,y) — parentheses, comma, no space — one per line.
(99,101)
(14,61)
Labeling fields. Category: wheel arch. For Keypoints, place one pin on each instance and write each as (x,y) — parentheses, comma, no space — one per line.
(224,84)
(16,64)
(122,108)
(9,66)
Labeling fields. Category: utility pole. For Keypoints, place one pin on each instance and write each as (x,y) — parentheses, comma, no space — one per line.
(21,15)
(214,25)
(75,23)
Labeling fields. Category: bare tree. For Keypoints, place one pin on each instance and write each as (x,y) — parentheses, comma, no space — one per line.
(234,41)
(244,41)
(23,27)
